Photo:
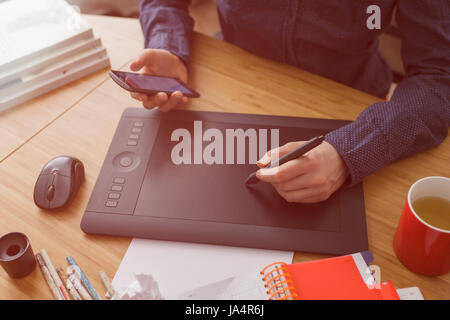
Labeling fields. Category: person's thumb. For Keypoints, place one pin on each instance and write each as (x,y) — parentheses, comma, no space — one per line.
(276,153)
(141,61)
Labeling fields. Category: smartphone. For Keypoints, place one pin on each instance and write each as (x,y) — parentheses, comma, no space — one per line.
(143,83)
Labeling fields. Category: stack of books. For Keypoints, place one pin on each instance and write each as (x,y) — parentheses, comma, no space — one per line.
(44,44)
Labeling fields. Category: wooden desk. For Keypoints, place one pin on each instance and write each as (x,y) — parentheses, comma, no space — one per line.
(21,123)
(229,79)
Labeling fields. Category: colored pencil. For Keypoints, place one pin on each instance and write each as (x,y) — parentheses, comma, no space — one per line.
(54,274)
(73,277)
(107,283)
(69,285)
(83,278)
(48,278)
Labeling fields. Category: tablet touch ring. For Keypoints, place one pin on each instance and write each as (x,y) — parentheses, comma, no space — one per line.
(126,161)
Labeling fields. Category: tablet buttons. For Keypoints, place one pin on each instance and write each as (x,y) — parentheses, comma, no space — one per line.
(112,204)
(116,188)
(119,180)
(124,162)
(135,131)
(113,195)
(132,142)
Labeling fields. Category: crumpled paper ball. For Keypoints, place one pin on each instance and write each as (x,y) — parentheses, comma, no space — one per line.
(144,287)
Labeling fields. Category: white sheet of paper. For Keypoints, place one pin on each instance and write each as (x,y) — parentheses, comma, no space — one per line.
(181,266)
(244,287)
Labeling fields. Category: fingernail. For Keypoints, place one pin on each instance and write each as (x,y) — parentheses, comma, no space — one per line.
(177,94)
(265,160)
(162,97)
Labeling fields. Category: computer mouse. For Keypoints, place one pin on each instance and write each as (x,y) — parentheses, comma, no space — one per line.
(58,183)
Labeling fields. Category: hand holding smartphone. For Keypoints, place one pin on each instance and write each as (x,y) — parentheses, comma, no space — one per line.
(143,83)
(161,63)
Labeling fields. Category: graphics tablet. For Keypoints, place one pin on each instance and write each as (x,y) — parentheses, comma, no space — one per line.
(143,190)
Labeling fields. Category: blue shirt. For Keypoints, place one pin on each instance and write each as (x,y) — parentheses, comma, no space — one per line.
(330,38)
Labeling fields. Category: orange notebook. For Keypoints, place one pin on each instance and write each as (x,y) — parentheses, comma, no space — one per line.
(345,277)
(338,278)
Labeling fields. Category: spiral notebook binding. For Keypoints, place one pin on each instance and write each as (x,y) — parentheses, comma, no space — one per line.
(278,282)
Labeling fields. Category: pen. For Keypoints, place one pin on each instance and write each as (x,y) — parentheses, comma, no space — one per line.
(294,154)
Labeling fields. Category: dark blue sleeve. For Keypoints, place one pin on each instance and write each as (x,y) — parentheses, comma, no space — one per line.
(166,24)
(418,115)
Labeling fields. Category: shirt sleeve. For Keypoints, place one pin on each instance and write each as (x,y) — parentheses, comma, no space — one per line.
(166,24)
(418,115)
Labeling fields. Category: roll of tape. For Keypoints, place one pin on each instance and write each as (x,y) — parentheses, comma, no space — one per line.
(16,254)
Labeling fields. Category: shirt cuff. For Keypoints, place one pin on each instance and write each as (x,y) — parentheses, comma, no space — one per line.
(174,45)
(363,146)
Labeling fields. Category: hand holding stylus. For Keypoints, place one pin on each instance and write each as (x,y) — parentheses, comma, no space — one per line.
(312,177)
(160,62)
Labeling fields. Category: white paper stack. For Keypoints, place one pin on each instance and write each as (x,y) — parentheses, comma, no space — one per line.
(44,44)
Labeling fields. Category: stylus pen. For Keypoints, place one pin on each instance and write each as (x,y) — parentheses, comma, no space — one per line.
(294,154)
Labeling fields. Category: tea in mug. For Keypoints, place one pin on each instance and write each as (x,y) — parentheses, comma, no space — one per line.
(434,211)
